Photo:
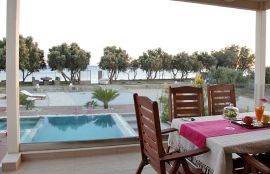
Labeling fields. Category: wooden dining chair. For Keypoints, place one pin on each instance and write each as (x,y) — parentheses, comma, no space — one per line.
(185,101)
(220,96)
(152,151)
(255,164)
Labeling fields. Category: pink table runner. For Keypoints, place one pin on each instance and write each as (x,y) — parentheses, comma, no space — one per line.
(197,132)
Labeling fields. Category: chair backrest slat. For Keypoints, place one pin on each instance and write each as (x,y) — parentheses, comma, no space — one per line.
(145,102)
(147,113)
(149,141)
(185,101)
(148,128)
(186,97)
(222,100)
(220,96)
(187,104)
(187,111)
(147,116)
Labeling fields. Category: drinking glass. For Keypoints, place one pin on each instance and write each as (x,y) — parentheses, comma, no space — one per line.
(259,113)
(229,127)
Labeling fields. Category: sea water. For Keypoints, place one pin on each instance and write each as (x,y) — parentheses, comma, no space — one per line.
(90,74)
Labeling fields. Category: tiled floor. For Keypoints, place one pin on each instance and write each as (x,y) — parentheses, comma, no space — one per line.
(105,164)
(3,147)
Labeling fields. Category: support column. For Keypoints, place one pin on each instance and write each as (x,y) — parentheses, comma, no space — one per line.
(13,158)
(260,55)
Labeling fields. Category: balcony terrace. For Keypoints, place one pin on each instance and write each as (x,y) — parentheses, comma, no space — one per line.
(111,159)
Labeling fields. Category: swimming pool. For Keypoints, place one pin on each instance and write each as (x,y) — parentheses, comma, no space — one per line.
(67,128)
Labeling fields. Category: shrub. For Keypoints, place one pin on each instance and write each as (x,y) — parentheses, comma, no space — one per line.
(198,81)
(227,75)
(164,101)
(105,96)
(267,75)
(92,103)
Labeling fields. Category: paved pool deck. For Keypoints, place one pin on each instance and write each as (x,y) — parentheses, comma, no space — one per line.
(3,148)
(80,98)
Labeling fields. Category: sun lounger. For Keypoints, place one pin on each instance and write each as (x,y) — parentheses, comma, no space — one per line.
(103,81)
(36,96)
(31,99)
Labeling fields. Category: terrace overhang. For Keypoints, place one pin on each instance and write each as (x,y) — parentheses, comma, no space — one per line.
(240,4)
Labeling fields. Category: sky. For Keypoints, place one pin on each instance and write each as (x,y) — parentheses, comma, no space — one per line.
(133,25)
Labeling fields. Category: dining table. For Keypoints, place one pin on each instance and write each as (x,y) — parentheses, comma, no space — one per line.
(222,148)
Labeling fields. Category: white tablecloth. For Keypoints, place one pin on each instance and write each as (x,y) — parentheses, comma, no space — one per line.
(219,159)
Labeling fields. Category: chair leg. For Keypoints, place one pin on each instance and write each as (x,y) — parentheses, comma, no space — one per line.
(185,166)
(254,171)
(140,168)
(175,167)
(246,169)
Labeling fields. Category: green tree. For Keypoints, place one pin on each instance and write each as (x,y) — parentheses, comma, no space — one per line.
(195,65)
(35,60)
(226,57)
(206,59)
(234,57)
(223,60)
(175,66)
(147,64)
(114,60)
(165,59)
(105,96)
(245,59)
(31,57)
(133,67)
(153,61)
(3,55)
(183,63)
(70,57)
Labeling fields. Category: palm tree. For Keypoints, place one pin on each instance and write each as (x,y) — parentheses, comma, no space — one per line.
(105,95)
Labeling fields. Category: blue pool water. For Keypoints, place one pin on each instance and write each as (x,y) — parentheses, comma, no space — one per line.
(72,128)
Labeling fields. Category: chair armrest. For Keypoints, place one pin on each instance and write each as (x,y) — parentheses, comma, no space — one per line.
(254,163)
(165,131)
(182,155)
